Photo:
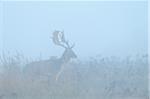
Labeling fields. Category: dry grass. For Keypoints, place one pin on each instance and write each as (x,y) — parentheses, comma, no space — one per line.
(97,78)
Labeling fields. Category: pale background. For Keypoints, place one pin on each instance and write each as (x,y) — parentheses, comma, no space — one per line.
(105,28)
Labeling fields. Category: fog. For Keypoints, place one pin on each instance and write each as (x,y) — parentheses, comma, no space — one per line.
(105,28)
(74,50)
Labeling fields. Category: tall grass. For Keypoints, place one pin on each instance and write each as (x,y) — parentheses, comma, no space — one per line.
(96,78)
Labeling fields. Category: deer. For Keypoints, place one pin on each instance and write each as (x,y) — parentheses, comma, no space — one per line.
(55,65)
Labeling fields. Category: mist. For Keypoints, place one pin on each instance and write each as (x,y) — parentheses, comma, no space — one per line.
(97,28)
(74,50)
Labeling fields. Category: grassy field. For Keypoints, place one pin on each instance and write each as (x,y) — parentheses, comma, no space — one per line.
(96,78)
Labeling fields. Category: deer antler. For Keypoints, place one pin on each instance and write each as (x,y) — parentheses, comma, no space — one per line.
(59,39)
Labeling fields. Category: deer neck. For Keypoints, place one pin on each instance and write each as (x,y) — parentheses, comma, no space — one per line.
(64,59)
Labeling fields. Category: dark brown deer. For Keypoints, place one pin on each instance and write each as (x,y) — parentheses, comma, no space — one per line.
(53,67)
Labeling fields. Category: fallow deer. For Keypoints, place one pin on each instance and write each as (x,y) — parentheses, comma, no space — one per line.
(54,67)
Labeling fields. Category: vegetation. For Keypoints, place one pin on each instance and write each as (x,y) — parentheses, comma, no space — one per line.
(96,78)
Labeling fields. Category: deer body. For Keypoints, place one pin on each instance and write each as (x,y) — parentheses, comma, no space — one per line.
(52,67)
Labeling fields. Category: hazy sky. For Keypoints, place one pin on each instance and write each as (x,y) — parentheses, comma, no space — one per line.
(106,28)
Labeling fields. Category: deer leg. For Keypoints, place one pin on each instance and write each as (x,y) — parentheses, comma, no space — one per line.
(59,73)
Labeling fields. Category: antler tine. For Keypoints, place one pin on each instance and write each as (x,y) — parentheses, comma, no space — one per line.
(67,43)
(63,37)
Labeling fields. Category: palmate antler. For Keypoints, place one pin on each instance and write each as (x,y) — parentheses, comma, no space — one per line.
(59,39)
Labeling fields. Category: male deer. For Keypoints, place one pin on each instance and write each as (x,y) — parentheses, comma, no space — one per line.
(54,67)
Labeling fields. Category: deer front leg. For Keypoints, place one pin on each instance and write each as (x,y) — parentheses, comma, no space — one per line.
(59,73)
